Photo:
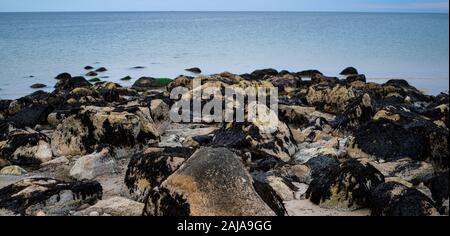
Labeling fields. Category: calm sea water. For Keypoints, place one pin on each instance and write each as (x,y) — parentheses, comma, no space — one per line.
(411,46)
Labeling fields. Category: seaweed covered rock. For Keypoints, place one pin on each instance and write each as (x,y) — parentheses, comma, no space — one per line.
(395,199)
(347,187)
(31,116)
(359,111)
(23,147)
(50,196)
(329,96)
(439,186)
(68,84)
(213,182)
(93,127)
(145,83)
(261,74)
(262,139)
(149,169)
(402,134)
(286,84)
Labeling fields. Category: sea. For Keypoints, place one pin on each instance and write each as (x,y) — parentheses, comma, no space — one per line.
(35,47)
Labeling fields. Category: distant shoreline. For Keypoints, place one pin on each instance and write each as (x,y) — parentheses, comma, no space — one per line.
(212,11)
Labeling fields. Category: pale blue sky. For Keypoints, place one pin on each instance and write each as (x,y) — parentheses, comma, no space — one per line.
(226,5)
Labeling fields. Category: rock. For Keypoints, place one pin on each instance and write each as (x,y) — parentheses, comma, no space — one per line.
(91,74)
(38,86)
(13,170)
(402,134)
(408,170)
(101,69)
(308,73)
(93,127)
(160,113)
(30,196)
(149,169)
(4,163)
(213,182)
(23,147)
(145,83)
(439,186)
(279,185)
(348,187)
(115,206)
(353,78)
(286,84)
(181,81)
(94,214)
(320,167)
(138,67)
(359,111)
(31,116)
(72,83)
(260,74)
(126,78)
(395,199)
(94,165)
(266,139)
(194,70)
(329,97)
(93,80)
(63,76)
(349,71)
(88,68)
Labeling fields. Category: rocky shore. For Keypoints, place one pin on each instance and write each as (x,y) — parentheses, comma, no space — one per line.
(343,146)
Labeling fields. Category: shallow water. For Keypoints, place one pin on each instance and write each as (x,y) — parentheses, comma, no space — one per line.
(411,46)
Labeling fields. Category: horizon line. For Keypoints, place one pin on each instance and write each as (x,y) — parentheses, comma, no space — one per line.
(241,11)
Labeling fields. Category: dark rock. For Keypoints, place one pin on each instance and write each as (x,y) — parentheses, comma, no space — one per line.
(349,71)
(322,166)
(72,83)
(38,86)
(109,91)
(145,83)
(353,78)
(93,80)
(392,141)
(401,134)
(346,187)
(439,186)
(270,197)
(149,169)
(101,69)
(63,76)
(395,199)
(88,68)
(138,67)
(359,111)
(31,116)
(194,70)
(251,137)
(309,73)
(213,182)
(54,197)
(91,74)
(126,78)
(260,74)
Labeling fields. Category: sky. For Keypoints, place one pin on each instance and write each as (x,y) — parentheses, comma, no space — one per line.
(226,5)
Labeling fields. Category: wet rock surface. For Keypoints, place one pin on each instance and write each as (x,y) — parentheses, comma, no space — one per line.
(335,146)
